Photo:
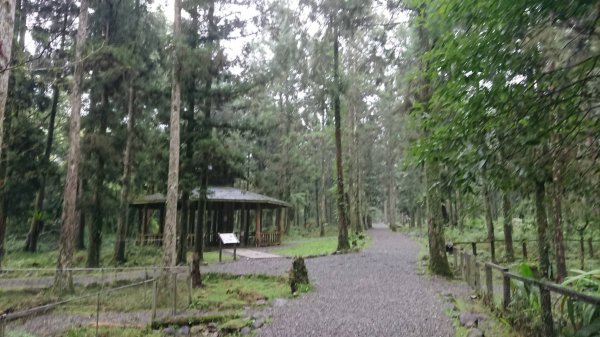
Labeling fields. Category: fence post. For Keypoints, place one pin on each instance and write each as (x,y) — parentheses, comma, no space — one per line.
(189,284)
(469,267)
(474,248)
(97,312)
(174,280)
(154,299)
(505,288)
(489,283)
(524,250)
(477,276)
(455,260)
(2,325)
(546,305)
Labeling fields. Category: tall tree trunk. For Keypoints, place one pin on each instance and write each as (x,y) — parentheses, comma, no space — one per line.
(170,235)
(4,177)
(559,244)
(7,25)
(97,213)
(37,220)
(341,200)
(542,228)
(63,280)
(323,178)
(508,228)
(438,261)
(125,180)
(80,242)
(489,221)
(183,226)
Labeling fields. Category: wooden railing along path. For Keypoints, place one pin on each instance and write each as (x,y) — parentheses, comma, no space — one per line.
(469,267)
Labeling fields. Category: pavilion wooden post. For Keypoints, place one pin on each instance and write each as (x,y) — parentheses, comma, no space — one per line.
(144,224)
(140,215)
(191,225)
(282,215)
(247,234)
(258,224)
(161,221)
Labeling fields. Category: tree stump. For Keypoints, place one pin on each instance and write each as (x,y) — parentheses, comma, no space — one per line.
(298,274)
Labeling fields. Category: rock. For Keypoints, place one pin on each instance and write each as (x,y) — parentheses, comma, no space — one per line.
(212,327)
(169,331)
(470,319)
(475,333)
(183,331)
(279,302)
(245,331)
(197,329)
(258,323)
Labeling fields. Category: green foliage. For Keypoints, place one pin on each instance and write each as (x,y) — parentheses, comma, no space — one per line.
(111,331)
(227,292)
(580,319)
(525,310)
(309,247)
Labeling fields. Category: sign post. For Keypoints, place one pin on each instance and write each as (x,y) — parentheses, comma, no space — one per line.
(228,239)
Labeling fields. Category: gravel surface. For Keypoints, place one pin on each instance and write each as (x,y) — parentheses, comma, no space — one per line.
(377,292)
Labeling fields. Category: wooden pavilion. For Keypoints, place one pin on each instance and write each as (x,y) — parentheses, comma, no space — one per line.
(227,210)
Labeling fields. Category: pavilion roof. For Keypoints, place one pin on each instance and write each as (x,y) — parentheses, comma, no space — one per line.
(218,194)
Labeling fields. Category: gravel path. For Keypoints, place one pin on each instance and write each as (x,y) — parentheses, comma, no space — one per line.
(377,292)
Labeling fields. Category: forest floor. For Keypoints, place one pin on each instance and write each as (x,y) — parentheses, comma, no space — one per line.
(380,291)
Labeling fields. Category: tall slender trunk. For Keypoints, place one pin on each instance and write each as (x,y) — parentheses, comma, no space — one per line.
(322,184)
(97,212)
(183,226)
(37,221)
(508,228)
(80,241)
(170,234)
(4,177)
(489,221)
(121,240)
(542,228)
(559,243)
(438,261)
(63,280)
(343,243)
(7,25)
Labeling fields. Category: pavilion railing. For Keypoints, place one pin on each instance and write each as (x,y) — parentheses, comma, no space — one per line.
(268,239)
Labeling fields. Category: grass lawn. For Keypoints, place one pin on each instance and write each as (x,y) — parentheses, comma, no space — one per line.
(220,292)
(320,245)
(309,247)
(46,257)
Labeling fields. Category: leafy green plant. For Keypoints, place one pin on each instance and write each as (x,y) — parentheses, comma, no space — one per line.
(525,310)
(577,318)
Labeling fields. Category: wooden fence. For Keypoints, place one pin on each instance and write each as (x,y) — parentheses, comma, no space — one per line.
(524,246)
(101,296)
(469,267)
(268,239)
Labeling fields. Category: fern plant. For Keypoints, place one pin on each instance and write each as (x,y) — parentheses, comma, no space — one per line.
(577,318)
